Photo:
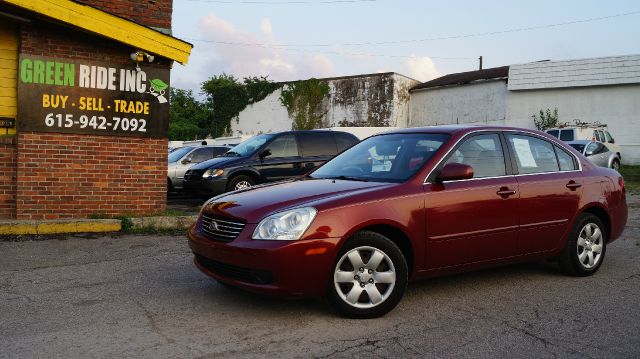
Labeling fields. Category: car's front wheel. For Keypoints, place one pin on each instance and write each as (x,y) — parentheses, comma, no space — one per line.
(369,276)
(240,182)
(584,252)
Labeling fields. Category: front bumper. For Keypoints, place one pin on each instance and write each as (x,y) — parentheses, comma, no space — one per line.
(292,269)
(212,187)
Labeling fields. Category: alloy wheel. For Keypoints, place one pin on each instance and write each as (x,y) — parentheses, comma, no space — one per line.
(364,277)
(590,243)
(242,185)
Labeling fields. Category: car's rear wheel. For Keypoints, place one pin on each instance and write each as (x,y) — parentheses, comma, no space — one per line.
(585,249)
(615,164)
(369,276)
(240,182)
(169,185)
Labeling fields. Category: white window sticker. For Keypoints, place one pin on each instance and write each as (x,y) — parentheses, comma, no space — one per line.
(523,151)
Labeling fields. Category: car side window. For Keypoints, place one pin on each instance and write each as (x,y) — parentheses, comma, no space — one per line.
(566,161)
(217,151)
(554,133)
(533,155)
(317,144)
(598,136)
(201,154)
(596,148)
(608,136)
(483,153)
(283,146)
(567,135)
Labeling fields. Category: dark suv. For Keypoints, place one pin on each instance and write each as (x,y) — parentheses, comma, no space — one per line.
(266,158)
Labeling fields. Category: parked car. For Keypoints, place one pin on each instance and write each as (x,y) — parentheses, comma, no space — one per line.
(437,200)
(587,132)
(597,153)
(266,158)
(181,158)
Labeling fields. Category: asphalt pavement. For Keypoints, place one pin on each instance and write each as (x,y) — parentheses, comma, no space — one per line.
(141,297)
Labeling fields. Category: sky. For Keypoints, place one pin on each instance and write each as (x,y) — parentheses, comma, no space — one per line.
(299,39)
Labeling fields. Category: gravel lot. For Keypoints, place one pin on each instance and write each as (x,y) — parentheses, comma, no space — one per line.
(140,296)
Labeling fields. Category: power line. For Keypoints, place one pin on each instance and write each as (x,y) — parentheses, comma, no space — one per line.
(283,2)
(450,37)
(330,52)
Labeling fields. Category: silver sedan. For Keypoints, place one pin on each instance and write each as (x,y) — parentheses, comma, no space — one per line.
(597,153)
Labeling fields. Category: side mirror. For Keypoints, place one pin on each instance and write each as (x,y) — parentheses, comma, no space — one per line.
(612,140)
(264,154)
(588,153)
(454,172)
(186,160)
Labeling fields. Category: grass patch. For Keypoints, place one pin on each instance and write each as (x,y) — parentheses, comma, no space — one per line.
(631,176)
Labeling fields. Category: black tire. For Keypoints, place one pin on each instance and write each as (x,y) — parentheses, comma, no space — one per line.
(615,164)
(570,259)
(390,293)
(238,180)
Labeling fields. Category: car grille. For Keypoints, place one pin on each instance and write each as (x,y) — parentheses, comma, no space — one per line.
(247,275)
(194,175)
(220,229)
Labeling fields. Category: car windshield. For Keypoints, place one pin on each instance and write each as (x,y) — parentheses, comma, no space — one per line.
(578,146)
(178,153)
(248,147)
(385,158)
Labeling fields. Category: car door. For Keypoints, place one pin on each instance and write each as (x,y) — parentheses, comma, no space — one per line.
(476,219)
(550,186)
(280,159)
(317,148)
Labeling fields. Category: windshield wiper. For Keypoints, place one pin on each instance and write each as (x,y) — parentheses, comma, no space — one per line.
(347,178)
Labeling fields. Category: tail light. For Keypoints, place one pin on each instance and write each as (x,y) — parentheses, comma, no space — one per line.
(621,183)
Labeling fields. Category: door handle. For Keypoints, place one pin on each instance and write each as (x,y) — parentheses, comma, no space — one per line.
(505,192)
(572,185)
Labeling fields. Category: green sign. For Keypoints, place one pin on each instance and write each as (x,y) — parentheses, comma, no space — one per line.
(59,95)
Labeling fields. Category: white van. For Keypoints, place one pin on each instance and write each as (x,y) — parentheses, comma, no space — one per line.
(592,132)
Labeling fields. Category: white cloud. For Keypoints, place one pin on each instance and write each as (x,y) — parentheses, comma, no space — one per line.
(421,68)
(250,60)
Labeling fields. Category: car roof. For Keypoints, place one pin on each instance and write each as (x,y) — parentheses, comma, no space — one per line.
(307,131)
(580,142)
(455,129)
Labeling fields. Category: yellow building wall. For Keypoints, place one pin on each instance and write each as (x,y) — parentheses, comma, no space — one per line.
(8,73)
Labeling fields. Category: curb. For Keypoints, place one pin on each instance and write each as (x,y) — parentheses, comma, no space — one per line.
(57,226)
(177,222)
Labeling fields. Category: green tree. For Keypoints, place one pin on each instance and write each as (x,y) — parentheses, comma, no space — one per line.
(546,120)
(303,100)
(189,119)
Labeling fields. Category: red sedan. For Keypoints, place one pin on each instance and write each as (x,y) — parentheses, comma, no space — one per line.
(408,205)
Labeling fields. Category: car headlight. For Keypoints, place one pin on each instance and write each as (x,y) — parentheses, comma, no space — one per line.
(287,225)
(212,172)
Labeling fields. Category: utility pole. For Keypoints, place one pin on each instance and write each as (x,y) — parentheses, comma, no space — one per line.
(480,58)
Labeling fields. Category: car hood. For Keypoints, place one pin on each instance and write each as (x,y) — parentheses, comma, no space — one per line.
(256,203)
(218,162)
